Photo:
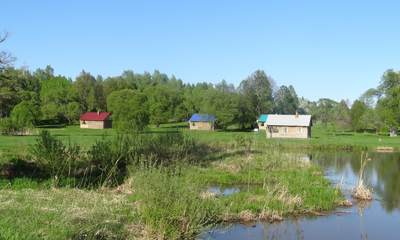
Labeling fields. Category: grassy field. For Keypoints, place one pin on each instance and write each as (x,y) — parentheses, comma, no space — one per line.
(176,202)
(320,137)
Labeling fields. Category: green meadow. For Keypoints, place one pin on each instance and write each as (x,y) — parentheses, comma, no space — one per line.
(320,137)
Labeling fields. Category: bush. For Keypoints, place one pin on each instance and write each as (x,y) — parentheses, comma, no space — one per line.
(10,127)
(152,150)
(6,126)
(57,159)
(105,163)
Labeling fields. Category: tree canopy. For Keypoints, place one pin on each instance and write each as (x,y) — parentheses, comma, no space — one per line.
(139,99)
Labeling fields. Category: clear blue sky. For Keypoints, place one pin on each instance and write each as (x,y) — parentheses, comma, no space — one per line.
(335,49)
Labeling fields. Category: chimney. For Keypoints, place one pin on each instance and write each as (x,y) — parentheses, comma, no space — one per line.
(98,113)
(297,114)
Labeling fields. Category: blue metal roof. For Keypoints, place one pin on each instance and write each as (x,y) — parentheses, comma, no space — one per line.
(202,118)
(263,118)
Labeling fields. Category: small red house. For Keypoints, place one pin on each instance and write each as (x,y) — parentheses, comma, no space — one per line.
(96,120)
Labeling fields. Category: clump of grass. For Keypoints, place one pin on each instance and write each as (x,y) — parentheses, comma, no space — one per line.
(270,216)
(361,192)
(171,206)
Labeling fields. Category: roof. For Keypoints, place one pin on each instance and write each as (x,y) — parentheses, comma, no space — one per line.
(95,116)
(288,120)
(263,118)
(202,118)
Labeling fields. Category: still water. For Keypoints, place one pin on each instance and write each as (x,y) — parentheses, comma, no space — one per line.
(377,219)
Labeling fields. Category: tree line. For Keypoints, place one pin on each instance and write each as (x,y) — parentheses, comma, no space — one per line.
(31,98)
(40,97)
(376,110)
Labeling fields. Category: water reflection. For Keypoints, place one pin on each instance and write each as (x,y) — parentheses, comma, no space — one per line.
(223,191)
(377,219)
(382,173)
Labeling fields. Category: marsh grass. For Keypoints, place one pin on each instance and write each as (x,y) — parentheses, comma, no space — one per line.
(162,176)
(173,202)
(171,206)
(362,192)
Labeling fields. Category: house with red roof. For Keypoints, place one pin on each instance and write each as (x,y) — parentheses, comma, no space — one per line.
(96,120)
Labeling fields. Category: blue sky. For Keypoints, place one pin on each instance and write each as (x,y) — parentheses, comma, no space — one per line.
(336,49)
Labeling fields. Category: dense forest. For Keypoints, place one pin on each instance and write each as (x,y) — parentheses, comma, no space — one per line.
(32,98)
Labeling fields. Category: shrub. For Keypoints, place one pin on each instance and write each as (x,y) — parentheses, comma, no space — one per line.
(107,164)
(53,156)
(8,126)
(151,150)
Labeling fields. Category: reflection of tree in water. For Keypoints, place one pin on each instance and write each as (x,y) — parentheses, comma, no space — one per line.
(337,161)
(385,166)
(283,230)
(361,206)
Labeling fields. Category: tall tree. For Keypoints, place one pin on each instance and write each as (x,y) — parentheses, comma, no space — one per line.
(286,101)
(54,96)
(356,112)
(25,114)
(325,110)
(5,57)
(258,89)
(389,103)
(129,109)
(90,92)
(161,103)
(342,118)
(16,85)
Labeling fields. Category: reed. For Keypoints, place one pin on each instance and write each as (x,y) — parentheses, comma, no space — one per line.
(361,191)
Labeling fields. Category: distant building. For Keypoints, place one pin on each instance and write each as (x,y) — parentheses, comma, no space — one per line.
(96,120)
(288,126)
(261,121)
(202,122)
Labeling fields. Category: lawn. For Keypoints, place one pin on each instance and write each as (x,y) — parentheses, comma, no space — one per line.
(320,137)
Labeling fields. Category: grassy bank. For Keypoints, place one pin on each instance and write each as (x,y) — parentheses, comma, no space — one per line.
(166,189)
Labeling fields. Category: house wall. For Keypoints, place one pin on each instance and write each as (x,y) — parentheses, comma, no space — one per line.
(92,124)
(201,126)
(261,125)
(288,132)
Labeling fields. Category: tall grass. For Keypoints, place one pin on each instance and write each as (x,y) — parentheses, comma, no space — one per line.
(171,206)
(105,163)
(361,192)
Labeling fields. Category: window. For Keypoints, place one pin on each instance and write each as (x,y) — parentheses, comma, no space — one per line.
(262,124)
(275,129)
(285,130)
(299,130)
(193,124)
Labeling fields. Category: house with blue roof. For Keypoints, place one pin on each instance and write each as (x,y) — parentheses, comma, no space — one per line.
(202,122)
(261,121)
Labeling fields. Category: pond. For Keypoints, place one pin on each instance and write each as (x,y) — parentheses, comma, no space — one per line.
(377,219)
(223,191)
